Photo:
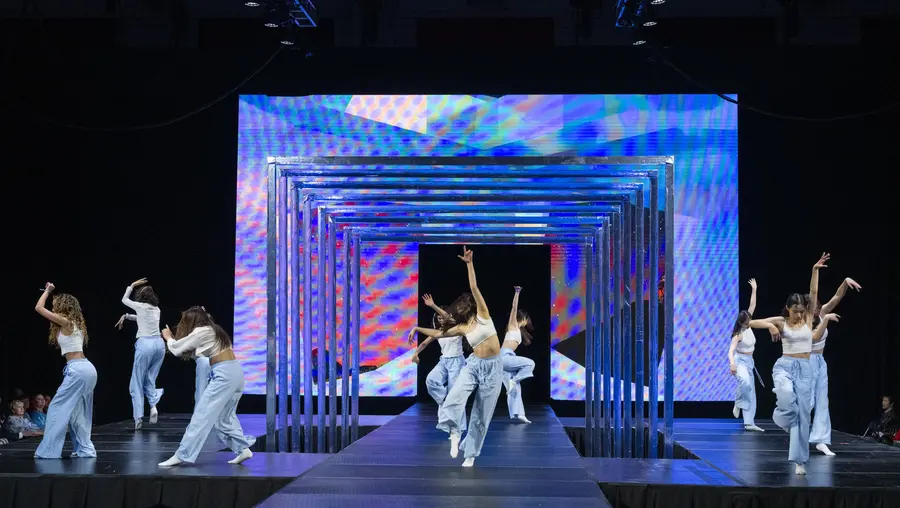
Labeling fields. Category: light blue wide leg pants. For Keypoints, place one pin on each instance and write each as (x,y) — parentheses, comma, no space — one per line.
(821,423)
(746,388)
(149,353)
(201,378)
(793,380)
(217,409)
(484,376)
(442,378)
(72,407)
(515,369)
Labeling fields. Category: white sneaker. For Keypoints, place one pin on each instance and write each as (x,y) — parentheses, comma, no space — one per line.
(753,428)
(822,447)
(174,461)
(800,469)
(522,419)
(241,457)
(470,462)
(154,415)
(736,411)
(138,424)
(454,444)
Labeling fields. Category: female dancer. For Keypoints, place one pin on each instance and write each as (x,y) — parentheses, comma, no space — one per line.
(199,335)
(73,405)
(483,371)
(743,342)
(820,435)
(149,350)
(792,374)
(516,368)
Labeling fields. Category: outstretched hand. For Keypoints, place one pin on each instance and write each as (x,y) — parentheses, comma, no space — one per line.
(822,260)
(775,333)
(411,338)
(852,284)
(167,333)
(120,322)
(752,283)
(831,317)
(49,287)
(518,289)
(467,255)
(429,301)
(139,282)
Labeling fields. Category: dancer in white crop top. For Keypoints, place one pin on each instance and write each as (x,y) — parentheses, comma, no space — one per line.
(72,407)
(792,374)
(740,360)
(149,350)
(198,334)
(820,435)
(483,373)
(516,368)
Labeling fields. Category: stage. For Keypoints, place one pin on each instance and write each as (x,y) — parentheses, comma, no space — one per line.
(404,461)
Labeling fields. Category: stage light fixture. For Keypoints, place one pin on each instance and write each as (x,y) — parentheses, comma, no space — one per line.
(287,37)
(272,18)
(250,3)
(657,2)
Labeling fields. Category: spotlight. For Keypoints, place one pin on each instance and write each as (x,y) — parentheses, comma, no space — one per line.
(273,20)
(649,22)
(287,37)
(657,2)
(639,36)
(638,41)
(251,3)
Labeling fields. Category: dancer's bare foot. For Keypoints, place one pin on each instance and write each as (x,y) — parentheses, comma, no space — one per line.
(469,462)
(800,469)
(454,444)
(822,447)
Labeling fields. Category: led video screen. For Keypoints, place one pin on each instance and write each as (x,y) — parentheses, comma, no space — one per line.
(699,130)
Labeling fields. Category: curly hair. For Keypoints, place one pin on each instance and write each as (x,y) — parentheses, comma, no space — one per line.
(68,307)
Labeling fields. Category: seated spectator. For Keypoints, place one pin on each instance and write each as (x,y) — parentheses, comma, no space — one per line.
(884,428)
(18,422)
(38,411)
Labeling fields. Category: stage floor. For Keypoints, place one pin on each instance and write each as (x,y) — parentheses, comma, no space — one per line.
(407,463)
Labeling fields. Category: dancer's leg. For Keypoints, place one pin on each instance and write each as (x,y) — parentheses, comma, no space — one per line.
(821,427)
(792,380)
(746,391)
(67,397)
(489,374)
(454,407)
(201,378)
(519,367)
(228,427)
(153,365)
(143,357)
(213,401)
(437,382)
(454,365)
(81,421)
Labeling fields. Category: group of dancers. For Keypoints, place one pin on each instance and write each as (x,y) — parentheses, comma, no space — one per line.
(800,376)
(466,324)
(218,387)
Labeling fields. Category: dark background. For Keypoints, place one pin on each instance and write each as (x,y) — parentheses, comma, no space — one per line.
(497,268)
(92,210)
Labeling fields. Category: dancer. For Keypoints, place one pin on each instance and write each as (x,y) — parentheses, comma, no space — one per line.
(149,350)
(73,405)
(743,342)
(197,334)
(483,371)
(516,368)
(820,435)
(444,375)
(792,374)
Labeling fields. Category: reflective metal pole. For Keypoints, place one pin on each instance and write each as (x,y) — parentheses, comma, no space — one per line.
(654,319)
(307,325)
(357,290)
(617,334)
(607,340)
(597,316)
(282,347)
(321,389)
(669,410)
(345,365)
(641,264)
(332,336)
(271,300)
(295,289)
(589,368)
(627,377)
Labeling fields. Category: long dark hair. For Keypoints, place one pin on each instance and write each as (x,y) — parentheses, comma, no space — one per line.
(148,296)
(436,318)
(525,329)
(196,317)
(794,299)
(742,319)
(462,310)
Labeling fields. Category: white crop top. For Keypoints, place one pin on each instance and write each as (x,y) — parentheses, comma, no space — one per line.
(484,329)
(70,343)
(451,346)
(796,340)
(513,336)
(747,344)
(146,315)
(200,342)
(819,346)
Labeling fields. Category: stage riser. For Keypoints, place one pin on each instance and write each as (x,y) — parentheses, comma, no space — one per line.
(680,496)
(261,440)
(576,435)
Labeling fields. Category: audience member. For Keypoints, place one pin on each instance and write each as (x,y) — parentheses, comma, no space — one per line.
(18,421)
(884,428)
(38,412)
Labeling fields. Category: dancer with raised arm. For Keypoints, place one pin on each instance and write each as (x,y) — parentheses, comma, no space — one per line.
(482,374)
(197,334)
(792,374)
(516,368)
(740,361)
(72,408)
(820,435)
(149,350)
(443,376)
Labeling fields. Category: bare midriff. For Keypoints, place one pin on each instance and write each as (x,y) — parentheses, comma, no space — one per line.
(224,356)
(490,347)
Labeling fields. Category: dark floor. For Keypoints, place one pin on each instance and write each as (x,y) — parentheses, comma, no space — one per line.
(407,463)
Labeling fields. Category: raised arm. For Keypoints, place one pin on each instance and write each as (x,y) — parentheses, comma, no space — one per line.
(773,324)
(823,324)
(752,306)
(814,288)
(731,349)
(513,323)
(429,302)
(41,308)
(189,342)
(126,298)
(473,284)
(839,295)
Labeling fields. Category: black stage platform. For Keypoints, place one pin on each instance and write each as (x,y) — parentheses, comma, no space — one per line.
(125,472)
(733,467)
